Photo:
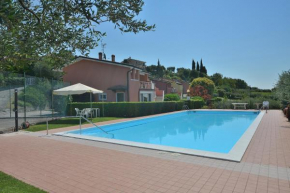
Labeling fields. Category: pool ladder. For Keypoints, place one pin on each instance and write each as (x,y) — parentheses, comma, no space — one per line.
(94,125)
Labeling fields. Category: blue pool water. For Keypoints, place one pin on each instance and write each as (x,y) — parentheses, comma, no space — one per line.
(215,131)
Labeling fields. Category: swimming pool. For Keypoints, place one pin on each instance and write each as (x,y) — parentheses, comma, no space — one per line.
(219,134)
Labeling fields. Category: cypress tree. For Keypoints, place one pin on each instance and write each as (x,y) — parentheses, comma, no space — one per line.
(197,66)
(201,66)
(205,70)
(193,65)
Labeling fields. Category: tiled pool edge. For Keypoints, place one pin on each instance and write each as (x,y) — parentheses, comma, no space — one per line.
(235,154)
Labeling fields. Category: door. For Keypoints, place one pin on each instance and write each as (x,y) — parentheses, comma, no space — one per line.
(120,97)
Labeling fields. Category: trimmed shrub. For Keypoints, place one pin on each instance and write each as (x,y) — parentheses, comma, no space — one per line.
(171,97)
(128,109)
(196,102)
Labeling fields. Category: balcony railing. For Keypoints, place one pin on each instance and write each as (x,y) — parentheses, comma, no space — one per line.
(146,85)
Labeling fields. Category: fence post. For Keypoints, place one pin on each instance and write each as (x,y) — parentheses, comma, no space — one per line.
(16,109)
(10,99)
(24,97)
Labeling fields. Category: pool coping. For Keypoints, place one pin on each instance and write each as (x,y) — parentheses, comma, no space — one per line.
(235,154)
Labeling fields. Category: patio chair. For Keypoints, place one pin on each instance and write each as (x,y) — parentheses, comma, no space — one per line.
(265,105)
(86,112)
(78,112)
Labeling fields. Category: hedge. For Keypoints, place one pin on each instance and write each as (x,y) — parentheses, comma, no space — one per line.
(128,109)
(133,109)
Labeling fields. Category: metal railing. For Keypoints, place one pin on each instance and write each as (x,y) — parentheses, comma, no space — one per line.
(82,117)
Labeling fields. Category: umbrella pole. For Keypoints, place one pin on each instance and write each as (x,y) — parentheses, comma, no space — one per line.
(91,105)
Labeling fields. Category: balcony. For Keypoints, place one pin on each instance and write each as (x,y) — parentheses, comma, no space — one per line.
(147,85)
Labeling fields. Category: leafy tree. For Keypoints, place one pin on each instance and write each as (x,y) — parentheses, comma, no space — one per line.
(33,28)
(241,84)
(193,65)
(282,88)
(217,78)
(205,83)
(184,73)
(171,69)
(200,91)
(193,74)
(229,82)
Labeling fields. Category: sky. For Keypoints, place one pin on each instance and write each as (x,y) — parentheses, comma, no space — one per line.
(243,39)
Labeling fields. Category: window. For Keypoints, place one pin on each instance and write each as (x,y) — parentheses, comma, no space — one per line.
(103,96)
(120,97)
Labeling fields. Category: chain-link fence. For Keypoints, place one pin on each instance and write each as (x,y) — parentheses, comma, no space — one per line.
(35,99)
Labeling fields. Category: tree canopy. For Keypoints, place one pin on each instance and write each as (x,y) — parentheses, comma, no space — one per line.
(283,86)
(31,29)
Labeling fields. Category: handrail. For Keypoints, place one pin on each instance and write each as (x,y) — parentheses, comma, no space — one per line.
(95,126)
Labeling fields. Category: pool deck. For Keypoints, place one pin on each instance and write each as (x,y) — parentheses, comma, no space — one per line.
(61,164)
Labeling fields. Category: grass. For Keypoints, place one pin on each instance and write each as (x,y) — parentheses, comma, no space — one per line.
(65,122)
(9,184)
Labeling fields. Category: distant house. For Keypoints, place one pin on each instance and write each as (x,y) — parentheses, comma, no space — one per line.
(125,81)
(172,86)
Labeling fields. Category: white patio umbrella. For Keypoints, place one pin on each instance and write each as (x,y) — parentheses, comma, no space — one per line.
(77,89)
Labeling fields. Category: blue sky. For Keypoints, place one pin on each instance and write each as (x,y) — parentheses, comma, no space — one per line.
(243,39)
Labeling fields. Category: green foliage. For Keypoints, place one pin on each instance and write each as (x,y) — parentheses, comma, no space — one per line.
(9,184)
(171,69)
(282,89)
(204,82)
(217,99)
(197,98)
(217,78)
(241,84)
(129,109)
(171,97)
(31,29)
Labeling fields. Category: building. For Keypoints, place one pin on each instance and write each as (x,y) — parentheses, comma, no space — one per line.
(125,81)
(172,86)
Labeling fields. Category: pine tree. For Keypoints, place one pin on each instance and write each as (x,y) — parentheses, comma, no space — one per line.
(193,65)
(197,66)
(205,70)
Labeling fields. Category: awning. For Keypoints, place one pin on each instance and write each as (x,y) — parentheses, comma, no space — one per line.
(76,89)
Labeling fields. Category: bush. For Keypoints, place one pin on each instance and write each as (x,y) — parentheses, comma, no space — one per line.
(197,98)
(171,97)
(217,99)
(204,82)
(128,109)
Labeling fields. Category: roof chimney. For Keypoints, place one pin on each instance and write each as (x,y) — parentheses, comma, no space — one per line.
(113,58)
(100,56)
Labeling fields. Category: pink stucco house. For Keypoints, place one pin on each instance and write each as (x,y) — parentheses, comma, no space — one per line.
(120,81)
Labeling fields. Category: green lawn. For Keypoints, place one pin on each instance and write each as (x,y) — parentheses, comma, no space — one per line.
(9,184)
(66,122)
